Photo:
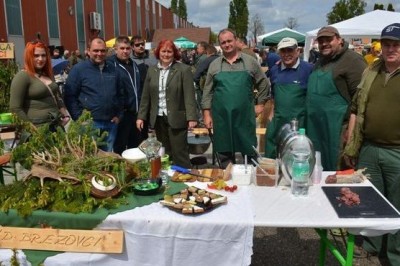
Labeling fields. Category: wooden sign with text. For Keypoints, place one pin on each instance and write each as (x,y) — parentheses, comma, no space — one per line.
(92,241)
(6,50)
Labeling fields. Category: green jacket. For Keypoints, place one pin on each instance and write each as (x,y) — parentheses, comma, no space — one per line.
(353,146)
(347,67)
(180,96)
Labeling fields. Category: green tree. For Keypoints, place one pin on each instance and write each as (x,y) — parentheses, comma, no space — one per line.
(182,10)
(379,7)
(390,7)
(345,9)
(239,17)
(213,37)
(174,6)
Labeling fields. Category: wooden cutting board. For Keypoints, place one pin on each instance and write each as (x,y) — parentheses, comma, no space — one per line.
(213,174)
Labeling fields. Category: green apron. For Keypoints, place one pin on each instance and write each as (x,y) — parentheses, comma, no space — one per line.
(233,113)
(326,109)
(290,102)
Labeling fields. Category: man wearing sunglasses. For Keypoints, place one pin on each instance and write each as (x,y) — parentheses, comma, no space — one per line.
(142,58)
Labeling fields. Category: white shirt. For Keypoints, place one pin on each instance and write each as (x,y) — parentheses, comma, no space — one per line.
(162,86)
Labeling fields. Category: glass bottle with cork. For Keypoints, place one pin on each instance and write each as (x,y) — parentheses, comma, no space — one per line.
(150,147)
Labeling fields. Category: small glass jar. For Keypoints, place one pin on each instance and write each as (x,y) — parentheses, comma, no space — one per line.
(155,166)
(164,177)
(165,162)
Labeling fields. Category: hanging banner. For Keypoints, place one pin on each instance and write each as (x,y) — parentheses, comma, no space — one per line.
(6,50)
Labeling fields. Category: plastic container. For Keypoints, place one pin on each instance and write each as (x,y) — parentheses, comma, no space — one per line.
(263,179)
(242,174)
(270,166)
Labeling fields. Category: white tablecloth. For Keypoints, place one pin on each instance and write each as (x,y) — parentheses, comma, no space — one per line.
(155,235)
(276,207)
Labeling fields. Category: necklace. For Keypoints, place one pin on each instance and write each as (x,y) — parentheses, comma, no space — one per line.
(39,73)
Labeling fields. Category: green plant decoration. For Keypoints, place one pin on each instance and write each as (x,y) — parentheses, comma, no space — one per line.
(8,69)
(61,165)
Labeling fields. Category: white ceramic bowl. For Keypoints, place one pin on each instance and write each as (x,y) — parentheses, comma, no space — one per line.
(133,155)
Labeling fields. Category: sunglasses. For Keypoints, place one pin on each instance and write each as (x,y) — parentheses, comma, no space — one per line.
(139,44)
(36,42)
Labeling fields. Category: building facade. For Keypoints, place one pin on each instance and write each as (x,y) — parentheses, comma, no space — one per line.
(70,24)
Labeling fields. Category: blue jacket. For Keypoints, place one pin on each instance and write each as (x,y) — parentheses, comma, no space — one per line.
(298,75)
(96,91)
(128,83)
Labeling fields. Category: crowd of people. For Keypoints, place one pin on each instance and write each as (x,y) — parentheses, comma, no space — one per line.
(347,101)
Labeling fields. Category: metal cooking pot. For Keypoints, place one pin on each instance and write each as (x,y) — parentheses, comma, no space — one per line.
(286,134)
(285,139)
(198,144)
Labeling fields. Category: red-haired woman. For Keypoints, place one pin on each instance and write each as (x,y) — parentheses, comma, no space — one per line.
(34,95)
(168,101)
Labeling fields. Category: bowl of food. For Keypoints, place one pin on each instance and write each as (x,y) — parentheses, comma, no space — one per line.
(133,155)
(147,186)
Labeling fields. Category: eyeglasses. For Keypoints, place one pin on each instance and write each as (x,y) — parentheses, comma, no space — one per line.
(139,44)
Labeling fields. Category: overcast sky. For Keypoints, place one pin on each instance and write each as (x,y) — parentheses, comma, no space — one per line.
(310,14)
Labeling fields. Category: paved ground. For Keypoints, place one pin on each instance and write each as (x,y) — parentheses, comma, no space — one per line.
(291,246)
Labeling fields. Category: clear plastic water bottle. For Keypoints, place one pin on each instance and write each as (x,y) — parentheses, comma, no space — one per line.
(301,169)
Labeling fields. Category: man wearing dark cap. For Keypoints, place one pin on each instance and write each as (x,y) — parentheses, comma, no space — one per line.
(375,140)
(331,87)
(289,86)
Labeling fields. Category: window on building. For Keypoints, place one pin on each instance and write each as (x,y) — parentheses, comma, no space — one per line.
(52,18)
(154,14)
(129,17)
(14,20)
(99,9)
(138,18)
(116,17)
(160,16)
(80,22)
(147,11)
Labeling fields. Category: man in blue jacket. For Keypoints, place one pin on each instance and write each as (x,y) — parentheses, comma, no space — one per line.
(289,87)
(128,135)
(92,85)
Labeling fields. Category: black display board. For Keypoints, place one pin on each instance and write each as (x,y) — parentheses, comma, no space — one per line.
(372,205)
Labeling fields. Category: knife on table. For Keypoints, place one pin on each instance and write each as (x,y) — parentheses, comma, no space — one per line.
(188,171)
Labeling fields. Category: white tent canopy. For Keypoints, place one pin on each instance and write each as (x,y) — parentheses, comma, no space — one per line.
(368,25)
(261,37)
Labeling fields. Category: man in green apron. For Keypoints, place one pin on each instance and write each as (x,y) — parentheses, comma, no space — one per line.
(229,105)
(375,141)
(331,87)
(289,86)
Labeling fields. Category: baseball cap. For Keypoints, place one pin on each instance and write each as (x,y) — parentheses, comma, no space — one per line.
(287,43)
(327,31)
(391,32)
